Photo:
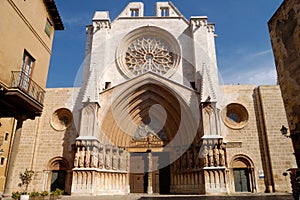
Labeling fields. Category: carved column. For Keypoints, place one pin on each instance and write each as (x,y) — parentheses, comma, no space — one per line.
(149,188)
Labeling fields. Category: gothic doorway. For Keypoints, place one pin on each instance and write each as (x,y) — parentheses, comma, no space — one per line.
(242,173)
(157,181)
(149,118)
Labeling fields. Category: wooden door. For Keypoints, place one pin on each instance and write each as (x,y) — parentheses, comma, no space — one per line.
(137,183)
(155,182)
(241,180)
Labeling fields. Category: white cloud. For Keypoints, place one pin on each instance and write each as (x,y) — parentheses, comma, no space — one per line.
(256,68)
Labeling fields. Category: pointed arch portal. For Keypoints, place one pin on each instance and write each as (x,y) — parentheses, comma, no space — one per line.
(170,119)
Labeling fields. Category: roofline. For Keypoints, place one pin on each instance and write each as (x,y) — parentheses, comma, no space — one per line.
(53,11)
(277,11)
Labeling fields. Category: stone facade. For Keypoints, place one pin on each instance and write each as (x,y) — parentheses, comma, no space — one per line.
(284,32)
(151,117)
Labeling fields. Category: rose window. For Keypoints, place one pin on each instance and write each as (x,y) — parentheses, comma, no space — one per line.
(149,54)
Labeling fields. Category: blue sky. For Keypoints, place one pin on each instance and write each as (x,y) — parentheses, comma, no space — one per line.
(243,46)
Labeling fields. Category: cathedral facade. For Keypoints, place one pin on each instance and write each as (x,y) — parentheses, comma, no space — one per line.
(152,117)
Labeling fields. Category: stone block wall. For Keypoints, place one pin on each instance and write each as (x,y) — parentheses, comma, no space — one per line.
(280,151)
(284,27)
(243,141)
(41,143)
(259,138)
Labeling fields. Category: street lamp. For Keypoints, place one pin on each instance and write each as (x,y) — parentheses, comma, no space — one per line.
(284,131)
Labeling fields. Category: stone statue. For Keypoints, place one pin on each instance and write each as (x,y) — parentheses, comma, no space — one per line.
(101,160)
(123,161)
(87,157)
(196,159)
(107,160)
(216,154)
(222,157)
(210,157)
(190,159)
(94,159)
(183,161)
(204,156)
(145,132)
(81,157)
(115,160)
(76,158)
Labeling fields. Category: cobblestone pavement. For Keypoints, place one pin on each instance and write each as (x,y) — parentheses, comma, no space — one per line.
(182,197)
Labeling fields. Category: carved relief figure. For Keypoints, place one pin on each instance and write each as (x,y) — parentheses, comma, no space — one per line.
(210,157)
(222,157)
(222,152)
(101,159)
(87,157)
(203,154)
(115,160)
(196,159)
(123,161)
(107,160)
(145,132)
(190,159)
(216,155)
(183,161)
(81,157)
(94,159)
(76,158)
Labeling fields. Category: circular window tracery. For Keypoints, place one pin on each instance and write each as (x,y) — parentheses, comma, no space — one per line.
(148,49)
(235,116)
(61,119)
(149,54)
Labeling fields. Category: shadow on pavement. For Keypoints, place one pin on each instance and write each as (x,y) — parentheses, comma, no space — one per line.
(235,197)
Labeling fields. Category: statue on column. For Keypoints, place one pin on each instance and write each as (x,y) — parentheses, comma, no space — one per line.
(222,152)
(115,160)
(76,158)
(94,159)
(196,159)
(210,157)
(123,161)
(87,157)
(222,157)
(81,157)
(183,161)
(203,154)
(190,156)
(101,159)
(107,159)
(216,154)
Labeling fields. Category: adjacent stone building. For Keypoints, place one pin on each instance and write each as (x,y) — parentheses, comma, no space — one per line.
(152,117)
(284,29)
(27,32)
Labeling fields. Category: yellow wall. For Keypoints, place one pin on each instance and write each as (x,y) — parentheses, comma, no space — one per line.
(22,27)
(7,126)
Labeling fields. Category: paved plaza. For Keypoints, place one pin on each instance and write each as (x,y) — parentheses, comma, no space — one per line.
(181,197)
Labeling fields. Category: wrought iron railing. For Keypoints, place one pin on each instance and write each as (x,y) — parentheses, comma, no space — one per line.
(22,81)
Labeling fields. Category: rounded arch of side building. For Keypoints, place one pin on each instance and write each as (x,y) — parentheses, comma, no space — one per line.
(58,175)
(242,173)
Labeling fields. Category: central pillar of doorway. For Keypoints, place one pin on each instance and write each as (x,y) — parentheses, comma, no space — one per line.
(149,187)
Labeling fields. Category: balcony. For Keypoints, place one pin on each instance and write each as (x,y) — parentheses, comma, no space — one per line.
(23,98)
(23,82)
